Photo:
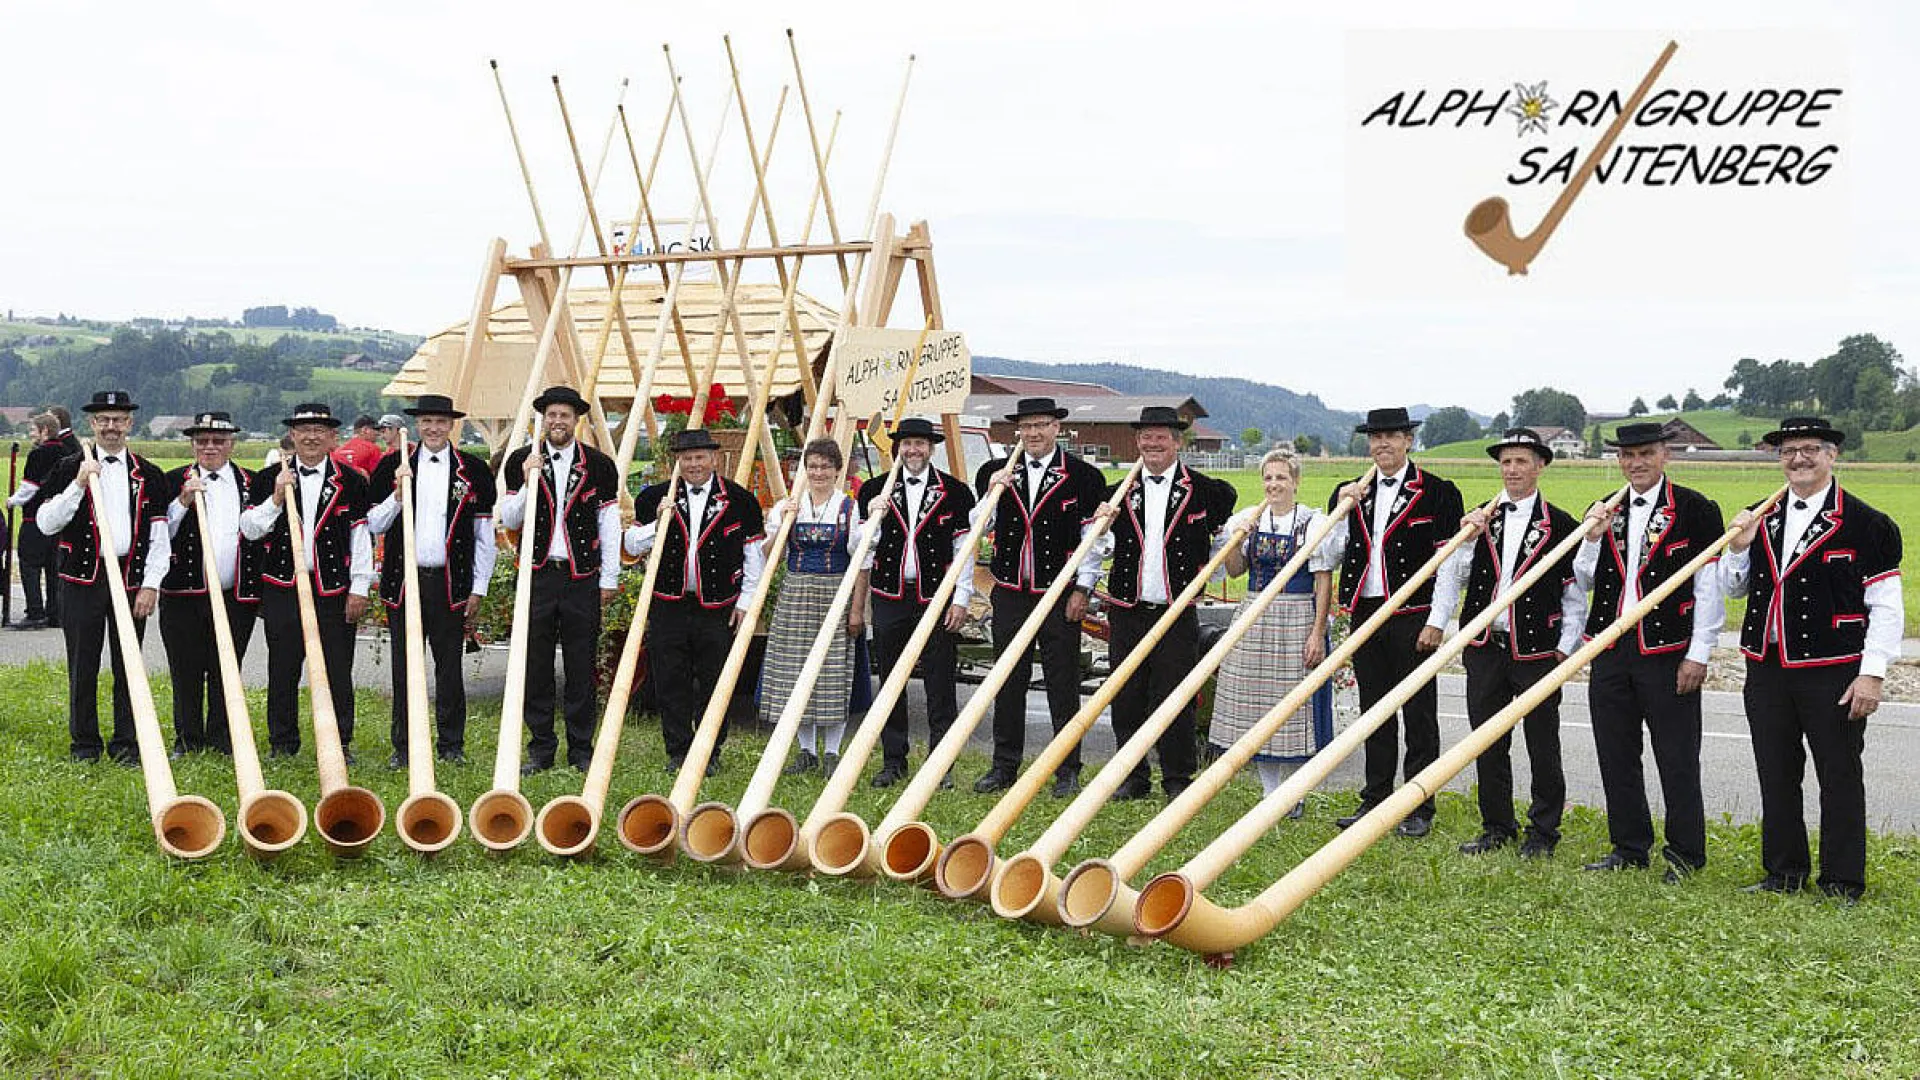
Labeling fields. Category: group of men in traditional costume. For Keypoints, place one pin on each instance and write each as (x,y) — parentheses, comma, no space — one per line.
(1820,571)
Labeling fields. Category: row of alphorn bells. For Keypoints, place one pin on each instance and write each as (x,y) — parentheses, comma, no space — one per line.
(1097,894)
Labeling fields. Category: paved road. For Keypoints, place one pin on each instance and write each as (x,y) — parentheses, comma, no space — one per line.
(1892,758)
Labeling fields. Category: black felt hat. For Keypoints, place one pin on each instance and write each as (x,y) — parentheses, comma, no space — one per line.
(1638,435)
(1522,436)
(110,401)
(1805,427)
(434,405)
(1037,406)
(917,427)
(696,439)
(312,413)
(1379,420)
(561,395)
(211,423)
(1160,416)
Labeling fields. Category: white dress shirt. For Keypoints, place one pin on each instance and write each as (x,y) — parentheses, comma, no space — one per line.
(225,501)
(256,522)
(116,492)
(512,511)
(432,486)
(1384,494)
(1034,476)
(910,561)
(638,540)
(1089,573)
(1156,492)
(1709,601)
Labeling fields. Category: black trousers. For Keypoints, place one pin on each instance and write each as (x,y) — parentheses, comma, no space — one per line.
(39,578)
(287,659)
(687,647)
(1173,659)
(1059,645)
(199,707)
(1379,665)
(565,613)
(88,620)
(445,633)
(1784,710)
(1626,691)
(893,623)
(1494,679)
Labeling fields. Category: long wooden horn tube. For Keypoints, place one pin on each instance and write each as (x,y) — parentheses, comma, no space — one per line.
(1098,891)
(772,839)
(1193,922)
(187,826)
(819,159)
(427,820)
(906,849)
(501,817)
(651,823)
(347,817)
(965,866)
(1226,849)
(270,821)
(1024,886)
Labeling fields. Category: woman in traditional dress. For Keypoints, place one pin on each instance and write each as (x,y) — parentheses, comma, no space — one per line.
(1290,638)
(819,551)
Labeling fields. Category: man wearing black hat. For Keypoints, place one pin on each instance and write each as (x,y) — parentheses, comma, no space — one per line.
(920,536)
(1652,677)
(1161,539)
(186,608)
(1048,507)
(1824,617)
(53,439)
(1403,517)
(339,556)
(1524,643)
(576,569)
(453,538)
(135,493)
(707,575)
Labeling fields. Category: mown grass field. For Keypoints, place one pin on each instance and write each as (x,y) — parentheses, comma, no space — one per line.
(1416,962)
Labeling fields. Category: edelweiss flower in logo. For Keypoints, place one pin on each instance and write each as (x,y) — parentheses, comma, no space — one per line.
(1532,110)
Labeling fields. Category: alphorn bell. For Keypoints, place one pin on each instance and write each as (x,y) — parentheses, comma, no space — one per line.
(501,818)
(428,820)
(1489,224)
(347,817)
(187,826)
(271,821)
(906,848)
(1201,870)
(1098,891)
(1204,927)
(1024,886)
(966,865)
(772,840)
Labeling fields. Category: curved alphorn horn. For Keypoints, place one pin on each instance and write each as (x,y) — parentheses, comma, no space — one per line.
(347,817)
(1024,886)
(271,821)
(427,820)
(900,846)
(965,866)
(1201,926)
(771,839)
(651,823)
(1212,861)
(187,826)
(1097,890)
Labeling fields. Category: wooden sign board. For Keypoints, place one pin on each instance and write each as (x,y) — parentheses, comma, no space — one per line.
(873,360)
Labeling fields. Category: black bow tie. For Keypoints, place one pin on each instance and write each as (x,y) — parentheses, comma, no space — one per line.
(1035,463)
(111,459)
(306,471)
(1639,500)
(1156,479)
(913,479)
(433,459)
(210,476)
(1389,481)
(1508,508)
(554,460)
(694,493)
(1799,504)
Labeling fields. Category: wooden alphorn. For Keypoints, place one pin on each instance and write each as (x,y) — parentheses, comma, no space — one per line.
(771,838)
(1024,886)
(270,820)
(1097,889)
(347,817)
(501,818)
(1192,922)
(906,848)
(1204,868)
(428,820)
(965,866)
(187,826)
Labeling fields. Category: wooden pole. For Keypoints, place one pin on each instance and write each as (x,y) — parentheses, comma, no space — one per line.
(819,158)
(187,826)
(501,817)
(519,155)
(1206,928)
(271,821)
(427,821)
(473,347)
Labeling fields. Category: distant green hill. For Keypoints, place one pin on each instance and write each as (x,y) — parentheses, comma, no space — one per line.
(1232,405)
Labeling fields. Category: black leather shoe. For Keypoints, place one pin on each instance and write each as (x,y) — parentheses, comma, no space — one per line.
(1299,811)
(1486,842)
(1413,828)
(279,752)
(530,768)
(889,775)
(946,781)
(674,765)
(1613,860)
(1350,819)
(347,752)
(997,779)
(828,763)
(803,762)
(1533,847)
(129,758)
(396,762)
(1066,784)
(176,754)
(29,624)
(1173,788)
(453,757)
(1848,895)
(84,757)
(1133,787)
(713,764)
(1776,883)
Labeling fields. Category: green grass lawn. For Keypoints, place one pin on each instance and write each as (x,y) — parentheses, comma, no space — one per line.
(1416,962)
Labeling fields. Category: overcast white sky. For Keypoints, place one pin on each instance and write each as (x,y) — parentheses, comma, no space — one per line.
(1158,184)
